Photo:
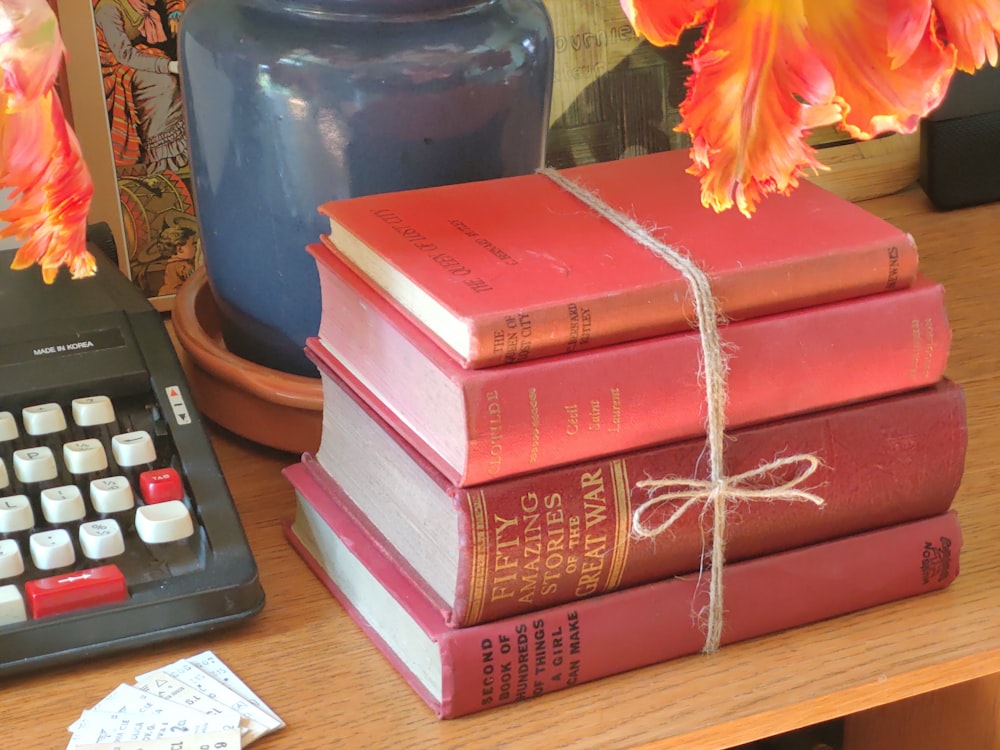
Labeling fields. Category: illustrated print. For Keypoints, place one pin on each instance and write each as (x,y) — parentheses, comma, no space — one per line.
(137,47)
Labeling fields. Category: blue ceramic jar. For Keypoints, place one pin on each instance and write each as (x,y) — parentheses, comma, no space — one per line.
(291,103)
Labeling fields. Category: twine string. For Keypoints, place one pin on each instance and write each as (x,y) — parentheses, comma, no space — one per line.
(716,495)
(737,487)
(716,492)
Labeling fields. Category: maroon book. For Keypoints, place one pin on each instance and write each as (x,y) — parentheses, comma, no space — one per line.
(465,670)
(511,546)
(481,425)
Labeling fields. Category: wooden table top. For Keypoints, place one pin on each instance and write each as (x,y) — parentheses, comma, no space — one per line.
(308,661)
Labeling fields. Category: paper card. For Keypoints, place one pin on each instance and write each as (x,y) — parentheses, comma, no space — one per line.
(128,699)
(161,684)
(181,706)
(211,664)
(226,740)
(258,721)
(99,727)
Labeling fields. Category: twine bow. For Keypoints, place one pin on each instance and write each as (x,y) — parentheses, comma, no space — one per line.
(716,495)
(716,491)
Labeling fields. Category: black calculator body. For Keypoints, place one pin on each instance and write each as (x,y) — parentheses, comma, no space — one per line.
(117,528)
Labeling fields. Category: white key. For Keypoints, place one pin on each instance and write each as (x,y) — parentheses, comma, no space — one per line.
(101,539)
(111,494)
(8,426)
(83,456)
(133,448)
(51,549)
(11,605)
(35,464)
(163,522)
(4,477)
(11,562)
(93,410)
(16,514)
(43,419)
(63,504)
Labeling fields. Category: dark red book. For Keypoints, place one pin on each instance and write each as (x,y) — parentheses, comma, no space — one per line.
(505,270)
(519,544)
(481,425)
(465,670)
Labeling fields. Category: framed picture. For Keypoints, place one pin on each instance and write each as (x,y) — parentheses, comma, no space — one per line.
(124,93)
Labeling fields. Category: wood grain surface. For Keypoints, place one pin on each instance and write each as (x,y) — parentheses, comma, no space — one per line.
(305,658)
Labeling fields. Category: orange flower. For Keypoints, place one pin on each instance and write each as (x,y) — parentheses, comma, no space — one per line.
(766,72)
(41,166)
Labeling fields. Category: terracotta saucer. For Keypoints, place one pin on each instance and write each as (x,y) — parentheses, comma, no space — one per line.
(270,407)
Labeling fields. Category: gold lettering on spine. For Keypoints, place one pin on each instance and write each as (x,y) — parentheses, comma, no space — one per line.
(479,555)
(539,549)
(620,487)
(595,541)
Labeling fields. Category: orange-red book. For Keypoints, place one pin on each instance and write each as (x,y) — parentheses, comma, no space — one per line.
(481,425)
(513,269)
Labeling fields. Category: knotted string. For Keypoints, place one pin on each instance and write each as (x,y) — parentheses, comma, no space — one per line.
(718,489)
(716,495)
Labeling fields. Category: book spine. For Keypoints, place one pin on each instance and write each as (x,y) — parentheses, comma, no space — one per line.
(566,533)
(591,323)
(537,653)
(562,409)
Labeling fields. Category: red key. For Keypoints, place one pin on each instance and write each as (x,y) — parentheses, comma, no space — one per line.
(78,589)
(161,485)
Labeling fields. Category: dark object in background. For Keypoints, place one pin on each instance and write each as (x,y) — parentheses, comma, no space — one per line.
(102,239)
(960,143)
(828,735)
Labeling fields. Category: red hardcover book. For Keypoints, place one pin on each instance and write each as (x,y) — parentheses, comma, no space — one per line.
(504,270)
(465,670)
(480,425)
(533,541)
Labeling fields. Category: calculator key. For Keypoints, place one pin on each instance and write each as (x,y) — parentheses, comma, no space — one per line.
(77,589)
(4,476)
(133,448)
(161,485)
(111,494)
(43,419)
(11,605)
(35,464)
(85,456)
(163,522)
(100,540)
(8,426)
(16,514)
(92,411)
(63,504)
(51,549)
(11,562)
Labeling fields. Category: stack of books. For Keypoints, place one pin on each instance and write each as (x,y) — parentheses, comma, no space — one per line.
(512,494)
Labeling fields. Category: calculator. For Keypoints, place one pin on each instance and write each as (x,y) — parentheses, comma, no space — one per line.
(117,528)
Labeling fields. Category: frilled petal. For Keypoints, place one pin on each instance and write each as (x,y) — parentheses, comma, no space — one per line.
(973,27)
(757,88)
(908,21)
(768,71)
(663,23)
(880,93)
(41,163)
